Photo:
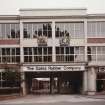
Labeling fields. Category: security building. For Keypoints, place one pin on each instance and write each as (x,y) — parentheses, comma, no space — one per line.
(55,50)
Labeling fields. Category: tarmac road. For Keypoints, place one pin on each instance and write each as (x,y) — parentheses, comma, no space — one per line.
(54,100)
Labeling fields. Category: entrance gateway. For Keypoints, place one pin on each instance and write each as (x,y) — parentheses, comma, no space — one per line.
(45,79)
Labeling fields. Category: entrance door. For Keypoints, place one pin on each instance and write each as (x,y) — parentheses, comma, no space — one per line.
(70,82)
(54,82)
(40,85)
(100,82)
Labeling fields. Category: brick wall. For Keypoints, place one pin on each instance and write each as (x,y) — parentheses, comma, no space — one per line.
(9,41)
(96,40)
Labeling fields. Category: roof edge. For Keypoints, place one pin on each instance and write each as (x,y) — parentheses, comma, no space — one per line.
(50,9)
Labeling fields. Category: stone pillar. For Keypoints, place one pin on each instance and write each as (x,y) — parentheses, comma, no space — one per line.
(53,44)
(23,84)
(91,81)
(21,42)
(85,88)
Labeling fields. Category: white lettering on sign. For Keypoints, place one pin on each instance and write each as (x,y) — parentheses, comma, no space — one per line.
(53,68)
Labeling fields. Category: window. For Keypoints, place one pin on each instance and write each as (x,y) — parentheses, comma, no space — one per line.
(9,55)
(74,30)
(38,54)
(69,54)
(96,29)
(6,81)
(34,30)
(96,53)
(9,31)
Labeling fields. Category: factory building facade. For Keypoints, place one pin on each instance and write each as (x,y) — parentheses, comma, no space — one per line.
(57,51)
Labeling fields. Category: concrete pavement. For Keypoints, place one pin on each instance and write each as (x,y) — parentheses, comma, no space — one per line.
(47,99)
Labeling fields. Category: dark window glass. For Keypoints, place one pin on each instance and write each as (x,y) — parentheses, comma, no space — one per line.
(67,50)
(25,51)
(89,50)
(49,58)
(12,30)
(17,58)
(40,50)
(25,58)
(49,34)
(3,51)
(25,33)
(17,51)
(30,58)
(49,50)
(57,50)
(13,51)
(7,51)
(71,50)
(45,50)
(62,50)
(30,51)
(35,50)
(45,59)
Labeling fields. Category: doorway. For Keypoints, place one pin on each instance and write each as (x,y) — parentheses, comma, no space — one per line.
(100,82)
(69,82)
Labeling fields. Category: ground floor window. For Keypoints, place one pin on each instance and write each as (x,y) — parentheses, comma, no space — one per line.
(9,79)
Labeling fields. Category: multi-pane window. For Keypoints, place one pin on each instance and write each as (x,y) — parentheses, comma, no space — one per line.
(96,53)
(38,54)
(69,54)
(34,30)
(9,55)
(96,29)
(74,30)
(7,82)
(8,31)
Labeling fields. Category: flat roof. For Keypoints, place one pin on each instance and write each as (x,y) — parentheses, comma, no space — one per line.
(25,10)
(49,9)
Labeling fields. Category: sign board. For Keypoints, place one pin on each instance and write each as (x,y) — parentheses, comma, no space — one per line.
(53,68)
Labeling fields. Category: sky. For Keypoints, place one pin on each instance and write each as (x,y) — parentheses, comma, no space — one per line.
(11,7)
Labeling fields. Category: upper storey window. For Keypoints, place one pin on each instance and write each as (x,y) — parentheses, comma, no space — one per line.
(96,29)
(8,31)
(34,30)
(74,30)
